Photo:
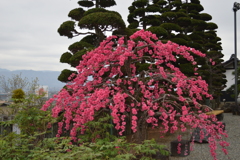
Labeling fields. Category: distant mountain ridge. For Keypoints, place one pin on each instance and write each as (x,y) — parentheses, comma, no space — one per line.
(46,78)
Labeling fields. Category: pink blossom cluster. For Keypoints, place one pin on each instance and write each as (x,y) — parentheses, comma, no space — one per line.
(110,77)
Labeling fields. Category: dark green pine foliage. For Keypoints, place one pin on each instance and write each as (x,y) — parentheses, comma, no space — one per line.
(203,37)
(139,14)
(184,23)
(92,20)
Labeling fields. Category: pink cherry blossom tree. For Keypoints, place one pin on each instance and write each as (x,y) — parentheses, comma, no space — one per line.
(138,83)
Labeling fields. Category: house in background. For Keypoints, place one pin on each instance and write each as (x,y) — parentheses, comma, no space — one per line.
(230,68)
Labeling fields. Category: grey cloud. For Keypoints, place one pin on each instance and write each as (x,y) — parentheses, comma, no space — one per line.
(29,38)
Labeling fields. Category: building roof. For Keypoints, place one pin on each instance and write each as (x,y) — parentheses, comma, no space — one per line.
(229,64)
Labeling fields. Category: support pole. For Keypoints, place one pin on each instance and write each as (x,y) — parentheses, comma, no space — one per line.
(235,62)
(236,7)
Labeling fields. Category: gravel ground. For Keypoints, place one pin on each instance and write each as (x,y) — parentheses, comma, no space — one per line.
(201,151)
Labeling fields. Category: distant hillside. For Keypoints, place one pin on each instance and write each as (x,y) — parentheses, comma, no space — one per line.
(47,78)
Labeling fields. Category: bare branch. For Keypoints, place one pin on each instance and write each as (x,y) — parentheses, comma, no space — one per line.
(7,85)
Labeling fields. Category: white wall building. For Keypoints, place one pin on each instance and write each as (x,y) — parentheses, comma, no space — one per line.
(229,66)
(230,77)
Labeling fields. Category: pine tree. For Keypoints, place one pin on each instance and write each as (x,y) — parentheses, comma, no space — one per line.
(92,22)
(184,23)
(204,38)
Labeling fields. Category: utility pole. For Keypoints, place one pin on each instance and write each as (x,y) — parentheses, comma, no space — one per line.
(236,7)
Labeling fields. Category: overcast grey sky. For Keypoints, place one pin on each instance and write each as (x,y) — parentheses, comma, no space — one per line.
(29,38)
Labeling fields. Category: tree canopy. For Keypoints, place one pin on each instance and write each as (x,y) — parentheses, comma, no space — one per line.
(111,80)
(181,22)
(92,20)
(184,23)
(18,95)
